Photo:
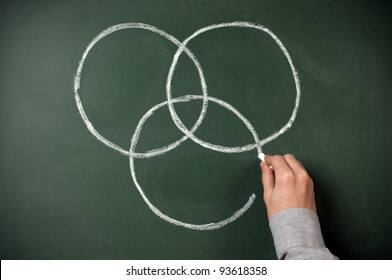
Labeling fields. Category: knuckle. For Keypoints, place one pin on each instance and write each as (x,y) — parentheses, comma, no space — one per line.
(288,176)
(275,157)
(291,156)
(305,182)
(303,176)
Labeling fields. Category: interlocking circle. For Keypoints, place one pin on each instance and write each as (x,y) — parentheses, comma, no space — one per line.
(188,98)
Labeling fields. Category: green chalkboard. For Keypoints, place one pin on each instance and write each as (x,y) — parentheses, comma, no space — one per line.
(64,194)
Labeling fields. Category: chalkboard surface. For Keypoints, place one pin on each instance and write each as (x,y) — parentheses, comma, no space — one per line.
(64,194)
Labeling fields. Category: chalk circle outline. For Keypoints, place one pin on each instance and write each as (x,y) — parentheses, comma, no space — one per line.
(134,141)
(187,134)
(77,78)
(258,144)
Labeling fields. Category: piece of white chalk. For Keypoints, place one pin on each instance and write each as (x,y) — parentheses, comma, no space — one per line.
(261,156)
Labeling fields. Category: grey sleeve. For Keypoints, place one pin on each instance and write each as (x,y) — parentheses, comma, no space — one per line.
(297,235)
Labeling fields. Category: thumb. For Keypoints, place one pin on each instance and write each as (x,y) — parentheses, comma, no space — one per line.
(268,180)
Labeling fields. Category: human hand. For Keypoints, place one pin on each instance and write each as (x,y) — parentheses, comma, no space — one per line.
(286,185)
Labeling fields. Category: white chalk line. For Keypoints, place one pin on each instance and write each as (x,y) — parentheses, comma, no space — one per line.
(105,33)
(169,102)
(135,139)
(175,144)
(182,47)
(258,144)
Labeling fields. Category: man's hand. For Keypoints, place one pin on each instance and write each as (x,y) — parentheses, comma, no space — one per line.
(286,185)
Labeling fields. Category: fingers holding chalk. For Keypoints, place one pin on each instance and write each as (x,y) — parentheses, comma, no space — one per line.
(261,156)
